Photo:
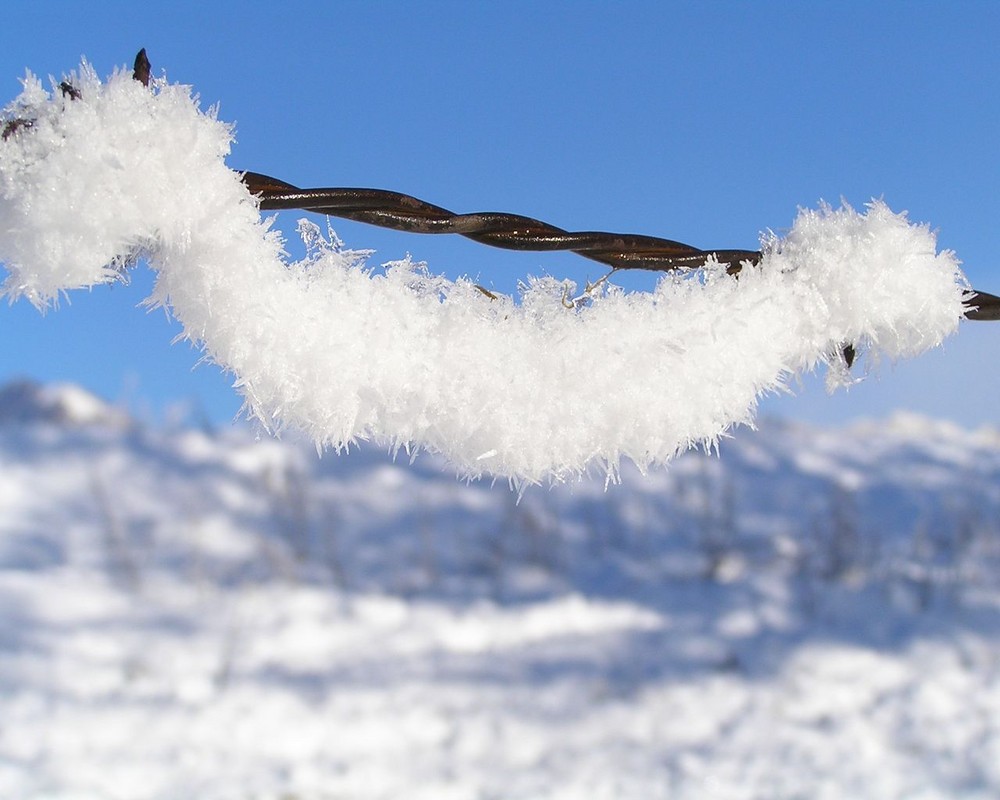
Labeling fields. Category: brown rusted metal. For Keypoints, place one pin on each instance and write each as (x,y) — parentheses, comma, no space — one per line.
(514,232)
(14,126)
(140,70)
(69,90)
(509,231)
(983,306)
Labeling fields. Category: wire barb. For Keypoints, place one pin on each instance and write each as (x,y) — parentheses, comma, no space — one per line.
(141,68)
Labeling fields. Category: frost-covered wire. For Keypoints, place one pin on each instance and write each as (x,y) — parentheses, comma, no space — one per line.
(523,388)
(515,232)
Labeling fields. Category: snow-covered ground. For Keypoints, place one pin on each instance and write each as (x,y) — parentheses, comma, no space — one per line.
(191,614)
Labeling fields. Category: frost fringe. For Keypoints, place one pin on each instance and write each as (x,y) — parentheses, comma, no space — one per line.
(528,390)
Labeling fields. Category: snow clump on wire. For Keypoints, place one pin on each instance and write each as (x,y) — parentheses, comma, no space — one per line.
(524,388)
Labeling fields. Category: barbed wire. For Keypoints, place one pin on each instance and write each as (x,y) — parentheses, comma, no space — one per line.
(403,212)
(509,231)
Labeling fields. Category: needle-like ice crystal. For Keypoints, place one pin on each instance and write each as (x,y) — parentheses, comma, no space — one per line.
(521,388)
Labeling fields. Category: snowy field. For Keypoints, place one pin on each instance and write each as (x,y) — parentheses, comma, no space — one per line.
(197,614)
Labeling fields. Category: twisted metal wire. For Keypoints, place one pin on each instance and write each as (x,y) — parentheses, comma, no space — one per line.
(514,232)
(509,231)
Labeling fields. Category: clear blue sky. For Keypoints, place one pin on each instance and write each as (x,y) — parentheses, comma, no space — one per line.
(703,122)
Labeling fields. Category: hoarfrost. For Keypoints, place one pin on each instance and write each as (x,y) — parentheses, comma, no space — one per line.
(531,390)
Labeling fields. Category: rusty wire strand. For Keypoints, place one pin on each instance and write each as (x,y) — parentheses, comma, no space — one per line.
(514,232)
(509,231)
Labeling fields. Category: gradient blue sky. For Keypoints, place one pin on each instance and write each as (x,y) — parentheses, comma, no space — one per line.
(703,122)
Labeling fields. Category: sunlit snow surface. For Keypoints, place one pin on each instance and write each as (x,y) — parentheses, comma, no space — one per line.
(186,614)
(525,389)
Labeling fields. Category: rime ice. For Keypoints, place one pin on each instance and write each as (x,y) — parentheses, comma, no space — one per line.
(527,390)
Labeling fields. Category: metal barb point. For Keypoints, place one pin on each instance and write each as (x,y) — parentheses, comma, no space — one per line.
(141,68)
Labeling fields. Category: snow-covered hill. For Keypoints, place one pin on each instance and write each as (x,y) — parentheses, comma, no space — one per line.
(186,614)
(27,402)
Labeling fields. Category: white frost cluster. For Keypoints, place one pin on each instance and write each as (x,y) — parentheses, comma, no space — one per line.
(529,389)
